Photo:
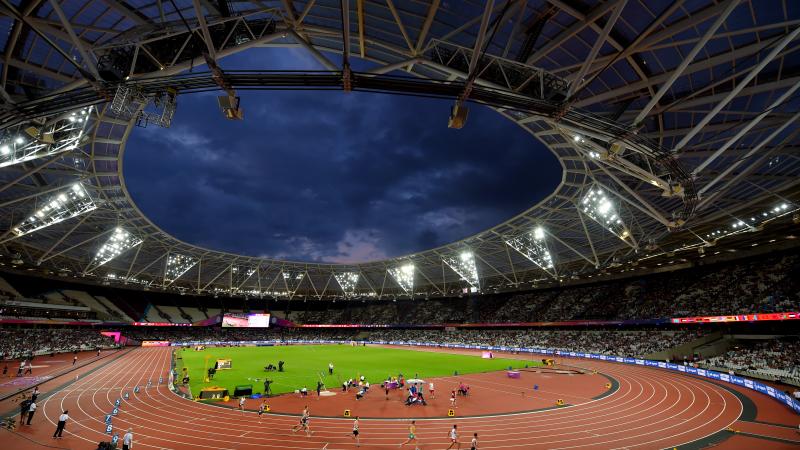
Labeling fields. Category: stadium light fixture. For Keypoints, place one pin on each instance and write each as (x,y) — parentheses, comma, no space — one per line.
(35,140)
(599,207)
(65,204)
(347,281)
(177,265)
(240,274)
(533,246)
(404,276)
(118,243)
(292,279)
(464,266)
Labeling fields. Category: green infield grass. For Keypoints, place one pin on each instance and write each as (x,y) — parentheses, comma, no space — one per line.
(306,364)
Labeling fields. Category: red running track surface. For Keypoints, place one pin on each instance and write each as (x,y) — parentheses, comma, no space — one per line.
(652,409)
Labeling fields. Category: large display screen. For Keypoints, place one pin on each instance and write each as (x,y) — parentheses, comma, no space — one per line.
(245,321)
(739,318)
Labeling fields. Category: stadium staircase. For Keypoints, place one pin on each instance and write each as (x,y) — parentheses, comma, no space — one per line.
(690,348)
(84,298)
(6,288)
(109,305)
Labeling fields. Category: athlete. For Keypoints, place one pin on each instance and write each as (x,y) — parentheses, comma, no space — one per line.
(355,432)
(453,399)
(412,435)
(454,438)
(303,425)
(474,444)
(430,390)
(261,408)
(241,404)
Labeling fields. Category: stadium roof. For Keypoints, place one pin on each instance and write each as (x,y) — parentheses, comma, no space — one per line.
(675,124)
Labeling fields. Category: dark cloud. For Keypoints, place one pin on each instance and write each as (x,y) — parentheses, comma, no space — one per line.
(312,175)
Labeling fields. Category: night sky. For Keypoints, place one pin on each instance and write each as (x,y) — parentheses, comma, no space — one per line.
(329,176)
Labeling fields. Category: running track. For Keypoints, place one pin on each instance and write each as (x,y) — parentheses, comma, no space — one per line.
(651,409)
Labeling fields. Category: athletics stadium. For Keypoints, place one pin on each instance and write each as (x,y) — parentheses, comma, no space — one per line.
(339,224)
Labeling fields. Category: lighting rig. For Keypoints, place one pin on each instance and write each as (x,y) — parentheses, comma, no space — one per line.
(118,243)
(65,204)
(131,102)
(348,282)
(177,265)
(598,206)
(533,246)
(464,266)
(404,276)
(44,137)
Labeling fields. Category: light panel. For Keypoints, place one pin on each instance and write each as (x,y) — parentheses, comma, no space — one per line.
(31,141)
(240,274)
(292,279)
(533,246)
(65,204)
(118,243)
(599,206)
(348,282)
(404,276)
(464,265)
(177,265)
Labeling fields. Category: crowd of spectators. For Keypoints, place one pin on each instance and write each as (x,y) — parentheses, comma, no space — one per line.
(762,285)
(779,358)
(25,342)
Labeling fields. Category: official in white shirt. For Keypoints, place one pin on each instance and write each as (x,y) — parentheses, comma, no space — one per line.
(62,422)
(127,440)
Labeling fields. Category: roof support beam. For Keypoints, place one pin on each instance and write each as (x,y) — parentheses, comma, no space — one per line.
(361,46)
(85,241)
(201,20)
(705,201)
(779,101)
(744,82)
(572,30)
(399,23)
(314,52)
(345,31)
(43,256)
(478,47)
(426,26)
(87,61)
(123,8)
(303,14)
(577,82)
(731,5)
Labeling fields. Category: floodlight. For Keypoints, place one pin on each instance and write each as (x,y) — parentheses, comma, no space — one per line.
(465,266)
(177,265)
(293,279)
(119,242)
(58,135)
(599,207)
(532,246)
(404,276)
(68,203)
(348,282)
(240,274)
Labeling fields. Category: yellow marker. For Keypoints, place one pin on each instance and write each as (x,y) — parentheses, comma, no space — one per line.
(266,408)
(347,413)
(559,402)
(451,413)
(608,385)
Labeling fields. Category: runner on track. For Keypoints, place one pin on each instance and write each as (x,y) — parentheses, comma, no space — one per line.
(412,435)
(303,425)
(355,432)
(454,438)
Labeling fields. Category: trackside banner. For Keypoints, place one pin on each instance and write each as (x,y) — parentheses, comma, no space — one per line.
(782,397)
